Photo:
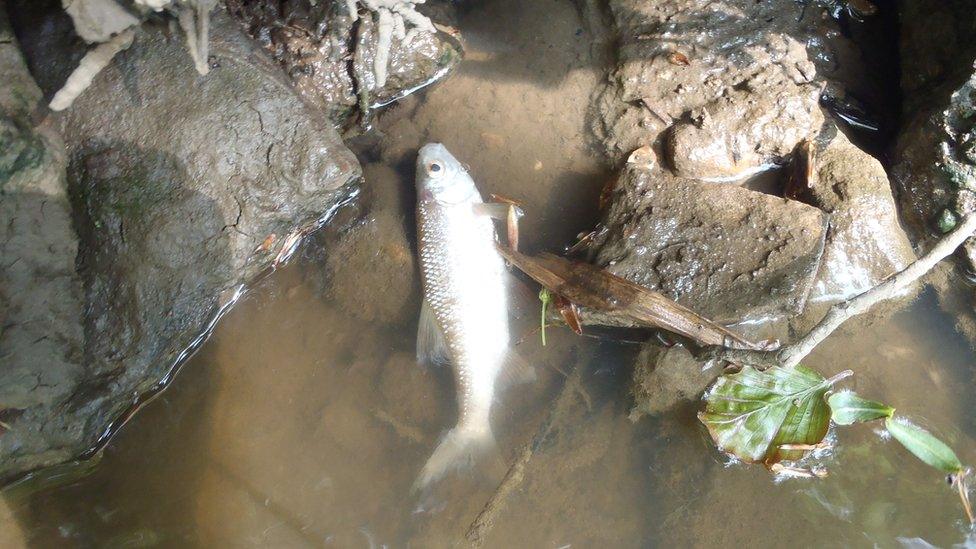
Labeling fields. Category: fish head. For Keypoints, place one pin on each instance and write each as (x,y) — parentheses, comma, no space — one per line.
(441,177)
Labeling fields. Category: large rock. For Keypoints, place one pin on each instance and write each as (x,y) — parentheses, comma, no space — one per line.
(732,85)
(41,340)
(667,378)
(934,165)
(721,91)
(186,187)
(865,243)
(727,252)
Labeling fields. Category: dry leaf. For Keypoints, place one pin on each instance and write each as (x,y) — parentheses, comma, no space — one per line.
(678,58)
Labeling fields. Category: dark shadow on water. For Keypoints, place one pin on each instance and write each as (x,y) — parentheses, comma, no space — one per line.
(143,491)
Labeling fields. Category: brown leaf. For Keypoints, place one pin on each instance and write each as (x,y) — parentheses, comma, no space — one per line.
(589,286)
(266,245)
(803,175)
(569,313)
(678,58)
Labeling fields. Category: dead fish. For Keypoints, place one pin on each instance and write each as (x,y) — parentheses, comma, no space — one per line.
(464,317)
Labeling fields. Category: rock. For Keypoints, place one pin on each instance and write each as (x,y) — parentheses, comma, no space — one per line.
(745,130)
(727,252)
(726,90)
(665,378)
(934,158)
(934,166)
(374,254)
(738,79)
(330,60)
(865,242)
(180,182)
(41,341)
(410,393)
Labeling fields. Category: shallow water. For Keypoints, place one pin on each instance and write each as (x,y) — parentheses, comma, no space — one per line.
(304,420)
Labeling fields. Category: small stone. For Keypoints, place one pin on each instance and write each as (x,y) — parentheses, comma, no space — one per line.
(946,221)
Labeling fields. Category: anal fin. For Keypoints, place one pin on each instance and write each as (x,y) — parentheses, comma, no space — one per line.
(515,371)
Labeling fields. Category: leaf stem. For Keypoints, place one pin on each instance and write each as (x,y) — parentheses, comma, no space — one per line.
(545,297)
(842,375)
(964,494)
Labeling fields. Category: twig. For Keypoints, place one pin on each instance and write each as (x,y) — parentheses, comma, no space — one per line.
(94,61)
(960,482)
(792,354)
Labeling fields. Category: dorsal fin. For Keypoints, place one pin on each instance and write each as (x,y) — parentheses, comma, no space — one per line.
(431,345)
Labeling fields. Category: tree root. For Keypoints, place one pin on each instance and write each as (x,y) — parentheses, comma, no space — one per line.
(478,530)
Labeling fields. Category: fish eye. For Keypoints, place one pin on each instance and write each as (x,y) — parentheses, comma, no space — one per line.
(435,168)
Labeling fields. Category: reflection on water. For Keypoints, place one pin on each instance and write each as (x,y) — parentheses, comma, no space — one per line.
(305,420)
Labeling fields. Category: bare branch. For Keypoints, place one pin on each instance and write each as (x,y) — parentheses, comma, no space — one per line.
(94,61)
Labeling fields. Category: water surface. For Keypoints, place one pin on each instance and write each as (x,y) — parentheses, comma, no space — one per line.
(305,420)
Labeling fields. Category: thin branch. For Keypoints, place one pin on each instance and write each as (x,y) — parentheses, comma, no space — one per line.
(91,64)
(483,523)
(893,286)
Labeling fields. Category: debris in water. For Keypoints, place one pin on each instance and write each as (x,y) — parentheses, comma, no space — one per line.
(586,285)
(678,58)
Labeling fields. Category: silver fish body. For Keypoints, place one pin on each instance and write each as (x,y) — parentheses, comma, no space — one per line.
(465,315)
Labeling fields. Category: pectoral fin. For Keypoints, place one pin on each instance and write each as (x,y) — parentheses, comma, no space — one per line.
(494,210)
(431,345)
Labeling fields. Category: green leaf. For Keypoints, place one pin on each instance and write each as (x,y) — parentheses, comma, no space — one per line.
(847,408)
(752,414)
(926,447)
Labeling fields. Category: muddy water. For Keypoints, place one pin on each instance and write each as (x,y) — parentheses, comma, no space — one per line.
(304,420)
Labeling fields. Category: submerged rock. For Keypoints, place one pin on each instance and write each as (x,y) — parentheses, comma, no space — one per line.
(727,252)
(666,378)
(374,254)
(185,188)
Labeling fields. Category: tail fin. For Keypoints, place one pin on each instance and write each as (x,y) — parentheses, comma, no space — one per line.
(459,449)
